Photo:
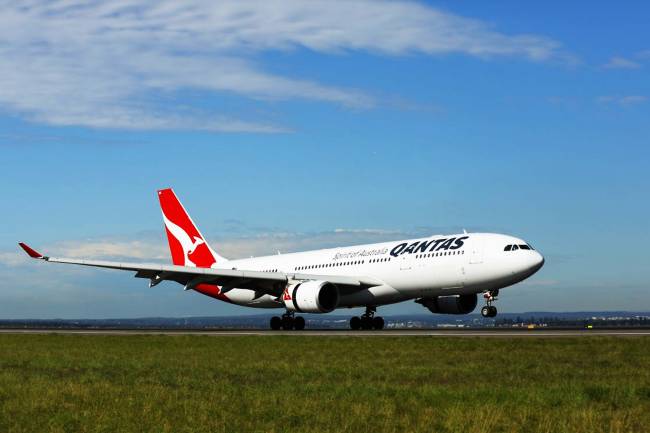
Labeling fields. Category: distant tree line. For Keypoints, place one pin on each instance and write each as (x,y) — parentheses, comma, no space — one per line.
(640,321)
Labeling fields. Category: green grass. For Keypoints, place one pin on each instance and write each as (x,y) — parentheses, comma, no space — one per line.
(77,383)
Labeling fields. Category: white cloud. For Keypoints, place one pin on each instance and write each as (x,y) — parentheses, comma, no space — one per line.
(621,63)
(380,232)
(632,99)
(537,283)
(155,249)
(271,243)
(103,64)
(12,259)
(112,249)
(645,54)
(622,100)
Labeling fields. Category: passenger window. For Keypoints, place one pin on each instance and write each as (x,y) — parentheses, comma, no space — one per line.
(507,248)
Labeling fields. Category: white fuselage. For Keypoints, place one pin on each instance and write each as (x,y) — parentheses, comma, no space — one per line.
(458,264)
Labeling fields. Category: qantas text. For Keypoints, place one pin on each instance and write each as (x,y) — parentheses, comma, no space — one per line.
(428,246)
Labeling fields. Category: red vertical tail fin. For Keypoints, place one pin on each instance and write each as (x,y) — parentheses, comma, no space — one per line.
(188,247)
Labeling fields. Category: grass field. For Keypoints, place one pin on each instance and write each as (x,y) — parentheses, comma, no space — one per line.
(77,383)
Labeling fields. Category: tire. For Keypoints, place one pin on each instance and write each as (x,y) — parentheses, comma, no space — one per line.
(299,323)
(276,323)
(287,323)
(378,323)
(485,311)
(366,323)
(355,323)
(493,311)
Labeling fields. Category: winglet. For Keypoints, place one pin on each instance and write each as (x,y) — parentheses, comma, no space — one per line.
(31,252)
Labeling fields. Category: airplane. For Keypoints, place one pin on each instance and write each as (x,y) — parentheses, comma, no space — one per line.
(445,274)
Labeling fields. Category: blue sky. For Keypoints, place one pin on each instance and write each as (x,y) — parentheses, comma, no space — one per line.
(292,125)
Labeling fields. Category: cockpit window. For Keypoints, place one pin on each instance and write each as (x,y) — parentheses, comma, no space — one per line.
(524,247)
(515,247)
(507,248)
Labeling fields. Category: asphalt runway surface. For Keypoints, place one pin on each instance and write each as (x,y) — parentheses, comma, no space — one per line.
(460,333)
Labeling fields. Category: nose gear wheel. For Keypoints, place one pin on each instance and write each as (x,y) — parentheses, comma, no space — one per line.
(489,310)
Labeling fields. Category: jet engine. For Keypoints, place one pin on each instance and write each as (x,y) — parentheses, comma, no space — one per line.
(311,297)
(454,304)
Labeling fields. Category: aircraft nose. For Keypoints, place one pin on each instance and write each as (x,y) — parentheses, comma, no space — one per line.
(538,262)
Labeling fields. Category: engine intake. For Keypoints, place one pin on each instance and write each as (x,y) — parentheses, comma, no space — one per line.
(454,304)
(311,297)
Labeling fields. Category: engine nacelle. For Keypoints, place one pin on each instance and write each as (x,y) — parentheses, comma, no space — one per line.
(454,304)
(311,297)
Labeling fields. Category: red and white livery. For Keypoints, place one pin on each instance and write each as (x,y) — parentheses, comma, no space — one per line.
(445,274)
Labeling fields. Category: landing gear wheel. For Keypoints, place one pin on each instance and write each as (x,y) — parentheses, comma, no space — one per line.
(489,310)
(287,323)
(299,323)
(276,323)
(367,320)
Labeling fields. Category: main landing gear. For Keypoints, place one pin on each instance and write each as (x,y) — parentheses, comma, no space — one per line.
(288,321)
(489,310)
(368,320)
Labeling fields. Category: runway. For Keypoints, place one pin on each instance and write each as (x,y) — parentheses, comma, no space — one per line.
(457,333)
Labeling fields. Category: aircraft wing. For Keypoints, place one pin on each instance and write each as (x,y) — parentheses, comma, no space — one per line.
(272,283)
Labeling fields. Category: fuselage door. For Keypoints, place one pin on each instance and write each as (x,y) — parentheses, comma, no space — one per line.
(405,262)
(476,255)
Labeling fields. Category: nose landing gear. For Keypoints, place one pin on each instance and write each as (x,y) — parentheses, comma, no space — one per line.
(287,322)
(368,320)
(489,310)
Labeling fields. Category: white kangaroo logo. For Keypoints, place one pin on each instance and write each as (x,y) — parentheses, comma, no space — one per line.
(186,242)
